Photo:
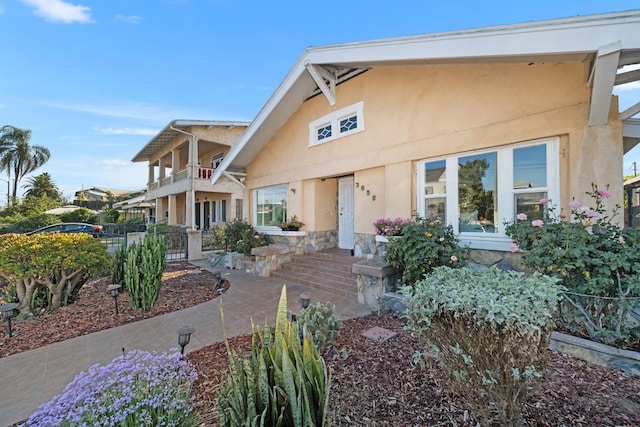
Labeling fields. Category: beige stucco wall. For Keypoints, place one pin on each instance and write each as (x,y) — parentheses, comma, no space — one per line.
(416,113)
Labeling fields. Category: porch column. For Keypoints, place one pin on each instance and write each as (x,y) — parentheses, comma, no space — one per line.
(161,208)
(175,162)
(190,215)
(172,219)
(151,175)
(162,172)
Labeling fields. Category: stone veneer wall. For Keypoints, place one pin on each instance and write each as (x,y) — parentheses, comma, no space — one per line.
(266,259)
(366,246)
(369,246)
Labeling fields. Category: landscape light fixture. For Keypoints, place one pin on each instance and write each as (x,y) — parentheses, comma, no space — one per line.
(9,311)
(114,290)
(184,336)
(305,299)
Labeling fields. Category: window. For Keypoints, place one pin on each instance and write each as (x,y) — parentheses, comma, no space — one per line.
(343,122)
(270,206)
(219,211)
(216,160)
(478,192)
(239,213)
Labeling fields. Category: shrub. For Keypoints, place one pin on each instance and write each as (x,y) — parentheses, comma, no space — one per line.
(424,245)
(238,236)
(489,330)
(320,321)
(137,389)
(146,261)
(80,215)
(33,222)
(594,259)
(50,266)
(282,382)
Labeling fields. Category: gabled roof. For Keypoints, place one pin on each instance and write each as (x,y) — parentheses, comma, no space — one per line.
(169,132)
(607,41)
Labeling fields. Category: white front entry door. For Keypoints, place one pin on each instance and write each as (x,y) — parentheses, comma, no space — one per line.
(345,213)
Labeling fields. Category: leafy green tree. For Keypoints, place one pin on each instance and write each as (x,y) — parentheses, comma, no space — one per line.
(42,185)
(17,156)
(59,263)
(80,215)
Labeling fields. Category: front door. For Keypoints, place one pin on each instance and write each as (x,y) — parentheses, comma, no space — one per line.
(345,213)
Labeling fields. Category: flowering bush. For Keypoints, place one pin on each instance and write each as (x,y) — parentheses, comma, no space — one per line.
(237,236)
(137,389)
(425,245)
(595,260)
(390,227)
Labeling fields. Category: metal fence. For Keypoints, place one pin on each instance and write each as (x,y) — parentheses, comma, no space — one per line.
(177,244)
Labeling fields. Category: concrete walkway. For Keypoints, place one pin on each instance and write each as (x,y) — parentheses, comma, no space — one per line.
(31,378)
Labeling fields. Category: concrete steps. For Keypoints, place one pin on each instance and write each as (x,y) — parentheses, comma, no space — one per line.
(328,271)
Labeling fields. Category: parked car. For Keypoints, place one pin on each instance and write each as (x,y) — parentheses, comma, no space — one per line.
(70,227)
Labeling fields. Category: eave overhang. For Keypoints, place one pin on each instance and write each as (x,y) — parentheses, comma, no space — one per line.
(169,132)
(597,39)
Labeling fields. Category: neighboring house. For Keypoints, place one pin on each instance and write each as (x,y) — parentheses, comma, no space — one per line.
(96,198)
(632,202)
(472,127)
(135,206)
(182,158)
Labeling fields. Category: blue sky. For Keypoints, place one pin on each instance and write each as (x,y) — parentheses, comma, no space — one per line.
(95,79)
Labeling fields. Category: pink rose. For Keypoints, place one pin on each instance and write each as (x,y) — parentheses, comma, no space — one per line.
(544,201)
(522,216)
(575,204)
(604,193)
(537,223)
(593,214)
(514,248)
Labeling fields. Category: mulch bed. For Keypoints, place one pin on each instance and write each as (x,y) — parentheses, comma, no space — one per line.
(374,384)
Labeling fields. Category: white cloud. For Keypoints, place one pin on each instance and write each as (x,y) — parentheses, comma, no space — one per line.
(153,113)
(129,19)
(60,11)
(128,131)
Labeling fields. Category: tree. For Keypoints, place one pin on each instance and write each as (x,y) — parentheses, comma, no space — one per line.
(41,185)
(17,156)
(59,263)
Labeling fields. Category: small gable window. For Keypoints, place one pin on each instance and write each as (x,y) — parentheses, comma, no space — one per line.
(343,122)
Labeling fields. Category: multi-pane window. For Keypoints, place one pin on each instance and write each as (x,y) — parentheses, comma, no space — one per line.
(435,189)
(530,180)
(270,205)
(343,122)
(324,132)
(476,193)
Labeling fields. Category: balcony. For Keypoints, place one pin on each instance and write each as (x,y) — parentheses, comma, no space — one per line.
(179,182)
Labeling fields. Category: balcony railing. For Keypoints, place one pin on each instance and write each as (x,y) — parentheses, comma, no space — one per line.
(205,173)
(202,173)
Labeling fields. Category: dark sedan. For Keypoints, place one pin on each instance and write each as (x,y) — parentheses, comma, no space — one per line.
(70,227)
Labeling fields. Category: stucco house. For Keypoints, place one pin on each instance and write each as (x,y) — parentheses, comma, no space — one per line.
(182,158)
(472,127)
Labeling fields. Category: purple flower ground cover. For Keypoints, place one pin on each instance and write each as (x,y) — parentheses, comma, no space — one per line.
(136,389)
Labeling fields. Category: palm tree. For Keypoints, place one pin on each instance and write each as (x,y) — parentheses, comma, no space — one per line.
(17,156)
(41,185)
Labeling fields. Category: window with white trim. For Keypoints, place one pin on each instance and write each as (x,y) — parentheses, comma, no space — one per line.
(476,193)
(340,123)
(270,206)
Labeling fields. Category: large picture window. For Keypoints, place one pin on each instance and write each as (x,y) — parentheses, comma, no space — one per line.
(476,193)
(270,206)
